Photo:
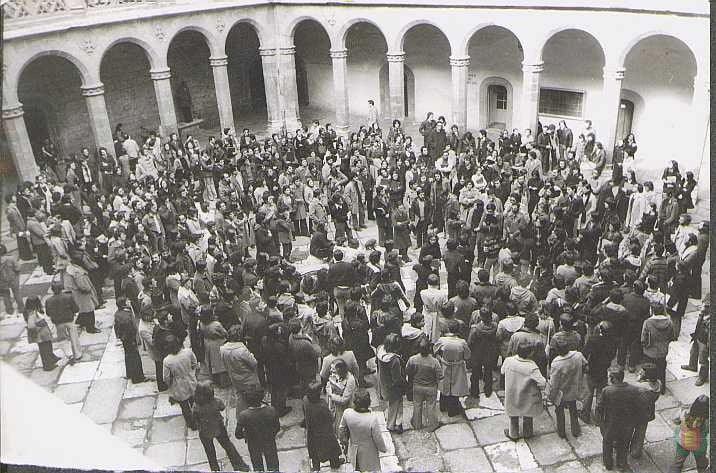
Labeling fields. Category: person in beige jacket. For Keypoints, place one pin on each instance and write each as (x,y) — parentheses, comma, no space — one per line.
(360,432)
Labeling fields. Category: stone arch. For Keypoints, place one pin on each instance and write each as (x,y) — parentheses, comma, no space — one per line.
(639,38)
(258,29)
(554,32)
(82,69)
(400,38)
(464,45)
(293,26)
(484,105)
(215,48)
(345,29)
(155,61)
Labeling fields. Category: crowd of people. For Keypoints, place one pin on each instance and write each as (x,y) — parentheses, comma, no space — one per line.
(558,280)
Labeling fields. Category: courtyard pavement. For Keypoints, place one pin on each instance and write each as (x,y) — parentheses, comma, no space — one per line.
(144,418)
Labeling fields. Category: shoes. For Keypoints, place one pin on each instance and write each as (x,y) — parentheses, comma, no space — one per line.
(397,430)
(689,368)
(507,434)
(562,435)
(92,330)
(699,382)
(241,467)
(50,368)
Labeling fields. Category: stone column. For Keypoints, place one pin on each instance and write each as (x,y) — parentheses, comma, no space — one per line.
(19,142)
(339,57)
(530,94)
(700,104)
(396,84)
(269,64)
(223,93)
(165,100)
(288,87)
(98,118)
(459,67)
(611,97)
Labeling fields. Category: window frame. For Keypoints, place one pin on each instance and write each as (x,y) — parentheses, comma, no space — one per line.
(563,89)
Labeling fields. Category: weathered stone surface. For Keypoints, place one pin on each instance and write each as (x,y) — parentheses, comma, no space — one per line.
(140,390)
(293,437)
(428,463)
(167,454)
(164,408)
(79,372)
(195,452)
(388,464)
(685,392)
(568,467)
(45,378)
(23,361)
(414,443)
(662,454)
(137,408)
(510,456)
(658,430)
(132,431)
(166,429)
(73,392)
(12,331)
(87,339)
(490,430)
(471,459)
(589,443)
(666,401)
(543,424)
(389,444)
(5,346)
(456,436)
(103,399)
(549,449)
(293,460)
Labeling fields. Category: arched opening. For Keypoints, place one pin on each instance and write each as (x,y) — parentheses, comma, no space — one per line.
(427,55)
(495,54)
(314,72)
(366,56)
(246,75)
(408,91)
(192,79)
(50,92)
(660,69)
(571,85)
(129,90)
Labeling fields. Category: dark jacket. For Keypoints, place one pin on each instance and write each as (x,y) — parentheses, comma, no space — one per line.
(124,327)
(259,427)
(483,343)
(321,439)
(209,419)
(342,273)
(599,352)
(391,378)
(637,308)
(618,411)
(61,308)
(305,354)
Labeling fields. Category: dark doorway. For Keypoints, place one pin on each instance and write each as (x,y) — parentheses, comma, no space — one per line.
(38,127)
(302,82)
(625,118)
(256,84)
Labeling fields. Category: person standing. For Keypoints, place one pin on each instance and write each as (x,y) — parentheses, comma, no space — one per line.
(565,386)
(240,365)
(340,388)
(523,392)
(693,436)
(18,227)
(482,342)
(453,353)
(360,432)
(61,309)
(10,281)
(38,331)
(321,441)
(656,334)
(258,425)
(126,332)
(699,352)
(424,372)
(373,115)
(179,372)
(38,237)
(599,351)
(279,372)
(618,415)
(76,279)
(207,414)
(391,381)
(649,388)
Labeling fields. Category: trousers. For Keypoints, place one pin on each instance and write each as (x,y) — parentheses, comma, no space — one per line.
(424,401)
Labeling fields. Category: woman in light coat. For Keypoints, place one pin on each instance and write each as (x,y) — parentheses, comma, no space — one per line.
(360,431)
(214,335)
(566,385)
(452,352)
(523,392)
(180,377)
(340,388)
(38,331)
(76,280)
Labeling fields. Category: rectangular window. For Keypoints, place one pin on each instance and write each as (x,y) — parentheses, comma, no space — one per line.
(563,103)
(501,100)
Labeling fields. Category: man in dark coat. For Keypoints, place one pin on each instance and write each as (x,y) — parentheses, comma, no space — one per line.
(259,425)
(320,246)
(126,331)
(618,414)
(637,307)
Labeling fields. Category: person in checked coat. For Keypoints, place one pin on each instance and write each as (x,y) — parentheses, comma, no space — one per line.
(452,352)
(566,385)
(523,392)
(360,432)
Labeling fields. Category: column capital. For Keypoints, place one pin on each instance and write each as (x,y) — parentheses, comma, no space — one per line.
(395,57)
(160,74)
(219,61)
(459,61)
(535,67)
(339,53)
(286,51)
(93,90)
(616,73)
(267,51)
(12,111)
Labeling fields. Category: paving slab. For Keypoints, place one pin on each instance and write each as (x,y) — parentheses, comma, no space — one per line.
(45,378)
(568,467)
(21,345)
(103,399)
(140,390)
(166,429)
(195,452)
(137,408)
(467,460)
(543,424)
(490,430)
(389,444)
(589,443)
(510,456)
(111,369)
(167,454)
(644,464)
(662,453)
(5,346)
(87,339)
(658,430)
(79,372)
(666,401)
(685,392)
(133,431)
(72,392)
(293,460)
(428,463)
(456,436)
(389,464)
(415,443)
(164,408)
(292,437)
(550,449)
(12,331)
